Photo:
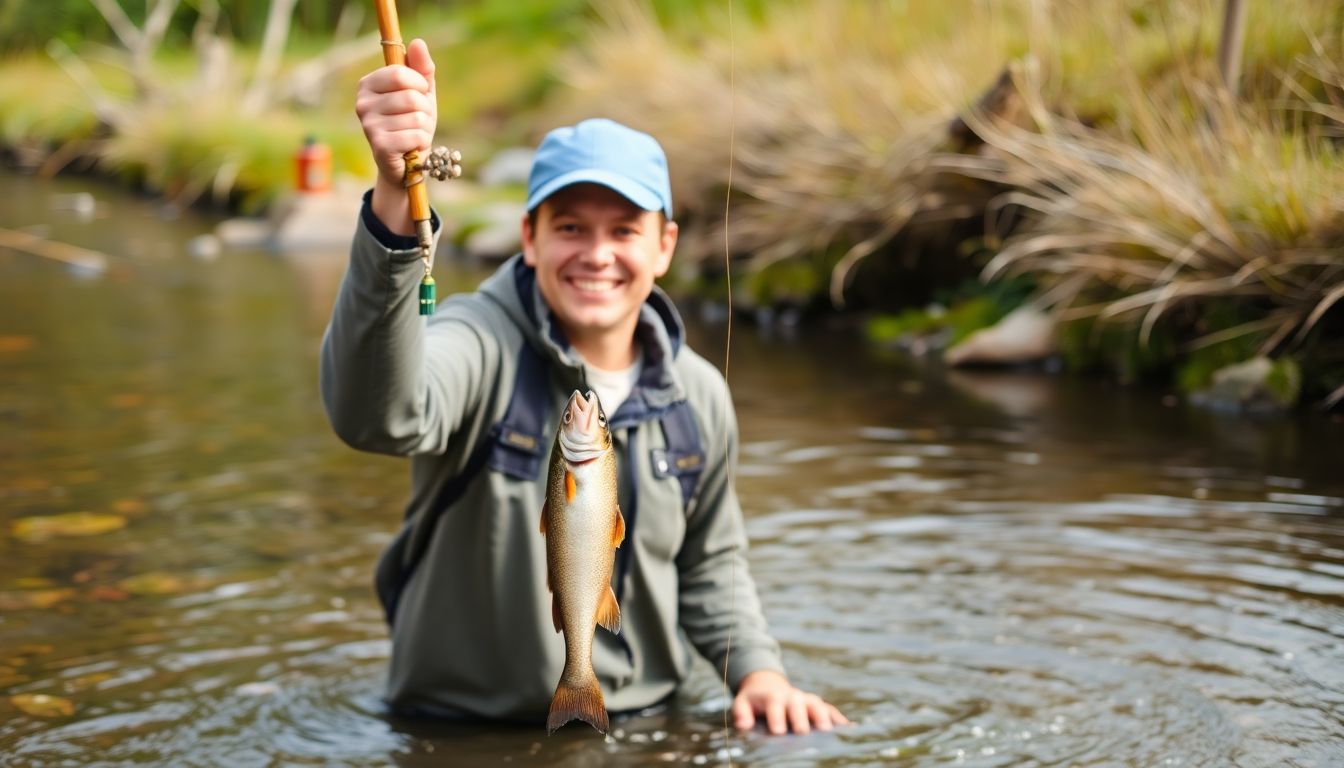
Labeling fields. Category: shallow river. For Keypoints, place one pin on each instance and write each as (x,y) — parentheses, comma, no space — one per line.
(979,569)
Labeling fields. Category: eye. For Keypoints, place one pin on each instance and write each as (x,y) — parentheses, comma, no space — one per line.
(602,418)
(566,418)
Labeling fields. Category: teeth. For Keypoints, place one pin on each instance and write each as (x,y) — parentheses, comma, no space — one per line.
(594,285)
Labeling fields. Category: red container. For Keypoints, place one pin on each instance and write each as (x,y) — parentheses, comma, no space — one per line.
(313,166)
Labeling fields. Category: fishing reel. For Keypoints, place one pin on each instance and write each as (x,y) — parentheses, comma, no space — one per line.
(441,164)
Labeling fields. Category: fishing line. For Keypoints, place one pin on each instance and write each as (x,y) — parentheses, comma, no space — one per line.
(727,356)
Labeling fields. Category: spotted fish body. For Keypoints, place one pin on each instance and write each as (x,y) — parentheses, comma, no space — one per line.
(583,526)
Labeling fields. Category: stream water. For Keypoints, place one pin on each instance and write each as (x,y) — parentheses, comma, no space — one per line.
(979,569)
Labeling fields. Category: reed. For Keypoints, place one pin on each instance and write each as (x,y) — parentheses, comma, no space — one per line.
(1117,179)
(1178,212)
(838,111)
(39,103)
(1124,183)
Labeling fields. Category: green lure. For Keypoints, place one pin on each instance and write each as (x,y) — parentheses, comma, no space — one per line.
(427,300)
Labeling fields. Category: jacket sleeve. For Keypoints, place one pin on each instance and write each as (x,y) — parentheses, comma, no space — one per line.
(390,381)
(720,610)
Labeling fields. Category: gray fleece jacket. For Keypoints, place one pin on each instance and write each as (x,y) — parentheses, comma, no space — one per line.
(472,634)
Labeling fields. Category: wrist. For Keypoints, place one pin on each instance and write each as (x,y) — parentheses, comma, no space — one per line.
(762,677)
(392,207)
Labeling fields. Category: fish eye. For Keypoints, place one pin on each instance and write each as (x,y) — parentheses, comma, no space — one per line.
(567,416)
(602,418)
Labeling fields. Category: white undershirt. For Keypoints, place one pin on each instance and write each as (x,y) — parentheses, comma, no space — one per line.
(613,387)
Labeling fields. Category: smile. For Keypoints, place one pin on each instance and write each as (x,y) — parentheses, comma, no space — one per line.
(593,286)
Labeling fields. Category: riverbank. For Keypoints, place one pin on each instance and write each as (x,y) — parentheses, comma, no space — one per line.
(943,165)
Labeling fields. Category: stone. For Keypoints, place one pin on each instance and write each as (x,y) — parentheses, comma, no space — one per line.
(1258,385)
(1025,335)
(495,231)
(203,247)
(318,222)
(82,204)
(245,233)
(507,166)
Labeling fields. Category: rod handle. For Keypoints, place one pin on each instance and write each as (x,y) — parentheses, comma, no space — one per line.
(394,52)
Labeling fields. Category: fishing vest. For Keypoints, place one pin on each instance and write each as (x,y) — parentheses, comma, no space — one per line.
(517,446)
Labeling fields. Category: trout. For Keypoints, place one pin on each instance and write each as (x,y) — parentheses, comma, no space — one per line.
(582,525)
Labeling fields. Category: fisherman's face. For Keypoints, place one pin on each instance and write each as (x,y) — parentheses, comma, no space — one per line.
(596,255)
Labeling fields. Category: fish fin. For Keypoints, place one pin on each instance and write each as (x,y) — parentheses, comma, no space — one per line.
(609,613)
(544,510)
(570,487)
(555,610)
(618,533)
(582,701)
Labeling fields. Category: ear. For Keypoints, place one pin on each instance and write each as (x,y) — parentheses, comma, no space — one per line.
(667,243)
(529,242)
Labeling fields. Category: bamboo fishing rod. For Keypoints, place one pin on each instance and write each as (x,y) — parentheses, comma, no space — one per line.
(441,163)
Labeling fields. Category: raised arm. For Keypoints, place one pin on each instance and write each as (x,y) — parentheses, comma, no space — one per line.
(391,382)
(398,111)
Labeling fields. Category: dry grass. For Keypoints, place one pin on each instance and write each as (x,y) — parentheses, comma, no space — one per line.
(834,113)
(1135,187)
(837,113)
(1179,211)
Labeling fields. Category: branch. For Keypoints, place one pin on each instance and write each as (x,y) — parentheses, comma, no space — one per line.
(139,42)
(157,24)
(272,44)
(106,109)
(304,84)
(212,53)
(121,25)
(347,24)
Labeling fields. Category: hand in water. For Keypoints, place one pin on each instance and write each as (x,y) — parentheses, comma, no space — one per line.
(770,694)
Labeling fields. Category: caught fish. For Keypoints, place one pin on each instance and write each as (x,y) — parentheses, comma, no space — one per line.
(582,525)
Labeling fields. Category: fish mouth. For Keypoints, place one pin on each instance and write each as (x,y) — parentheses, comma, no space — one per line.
(581,428)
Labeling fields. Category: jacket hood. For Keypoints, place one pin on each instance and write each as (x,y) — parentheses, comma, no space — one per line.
(659,332)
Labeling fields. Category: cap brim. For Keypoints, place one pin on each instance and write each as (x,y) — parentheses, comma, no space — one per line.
(631,190)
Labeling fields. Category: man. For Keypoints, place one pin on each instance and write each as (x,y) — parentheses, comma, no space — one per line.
(464,582)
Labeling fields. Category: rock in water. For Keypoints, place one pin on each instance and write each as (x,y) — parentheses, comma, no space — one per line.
(1026,335)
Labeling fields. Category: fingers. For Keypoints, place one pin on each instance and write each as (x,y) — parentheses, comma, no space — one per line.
(784,707)
(775,719)
(405,121)
(799,718)
(393,78)
(824,716)
(744,717)
(418,59)
(798,712)
(397,110)
(396,102)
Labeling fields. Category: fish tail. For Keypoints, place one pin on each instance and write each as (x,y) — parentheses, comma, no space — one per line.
(578,701)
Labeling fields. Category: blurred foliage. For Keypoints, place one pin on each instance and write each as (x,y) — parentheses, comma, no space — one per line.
(957,313)
(37,100)
(29,24)
(1083,149)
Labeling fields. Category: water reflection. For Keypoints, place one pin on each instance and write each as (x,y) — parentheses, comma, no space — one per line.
(980,569)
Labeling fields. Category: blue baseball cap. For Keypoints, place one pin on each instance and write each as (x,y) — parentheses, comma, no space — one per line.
(601,151)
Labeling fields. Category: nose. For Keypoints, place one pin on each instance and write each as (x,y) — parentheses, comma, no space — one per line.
(600,251)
